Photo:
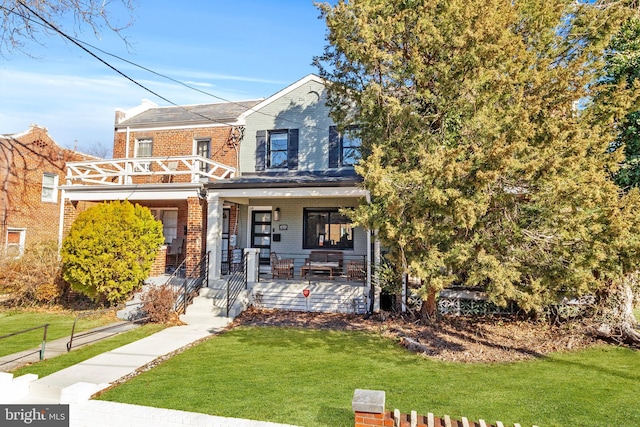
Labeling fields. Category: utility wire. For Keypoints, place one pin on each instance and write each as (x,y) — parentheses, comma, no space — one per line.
(81,44)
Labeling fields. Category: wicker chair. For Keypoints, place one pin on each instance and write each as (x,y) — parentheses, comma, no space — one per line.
(281,268)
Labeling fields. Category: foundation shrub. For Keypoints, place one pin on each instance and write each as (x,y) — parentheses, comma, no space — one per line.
(158,304)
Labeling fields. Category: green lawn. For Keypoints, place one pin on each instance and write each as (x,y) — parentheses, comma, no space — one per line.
(60,325)
(55,364)
(307,378)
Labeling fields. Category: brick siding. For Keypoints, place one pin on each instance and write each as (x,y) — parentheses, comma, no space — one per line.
(26,157)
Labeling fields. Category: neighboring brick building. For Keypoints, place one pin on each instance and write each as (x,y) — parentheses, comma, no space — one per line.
(32,166)
(163,156)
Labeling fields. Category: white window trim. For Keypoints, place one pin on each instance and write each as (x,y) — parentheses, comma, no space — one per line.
(23,235)
(156,215)
(54,188)
(144,166)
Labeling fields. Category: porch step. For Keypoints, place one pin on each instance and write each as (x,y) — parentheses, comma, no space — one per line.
(322,297)
(209,306)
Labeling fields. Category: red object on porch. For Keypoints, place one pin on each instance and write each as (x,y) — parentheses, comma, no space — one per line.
(306,293)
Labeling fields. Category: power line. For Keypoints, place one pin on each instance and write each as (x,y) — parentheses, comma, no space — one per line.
(81,44)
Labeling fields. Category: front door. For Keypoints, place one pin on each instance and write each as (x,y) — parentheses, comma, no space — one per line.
(226,214)
(261,234)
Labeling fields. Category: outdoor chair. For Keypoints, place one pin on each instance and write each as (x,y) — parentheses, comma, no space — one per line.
(356,270)
(281,268)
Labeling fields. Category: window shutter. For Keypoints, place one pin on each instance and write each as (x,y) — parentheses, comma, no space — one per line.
(334,147)
(261,150)
(292,148)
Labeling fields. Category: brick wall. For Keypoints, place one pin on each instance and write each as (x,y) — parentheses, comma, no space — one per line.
(26,157)
(179,142)
(195,231)
(369,409)
(160,262)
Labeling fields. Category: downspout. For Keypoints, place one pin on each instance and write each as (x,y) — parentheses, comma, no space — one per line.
(126,156)
(61,222)
(126,145)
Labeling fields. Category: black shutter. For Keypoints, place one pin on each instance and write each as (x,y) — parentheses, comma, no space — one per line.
(334,147)
(261,150)
(292,149)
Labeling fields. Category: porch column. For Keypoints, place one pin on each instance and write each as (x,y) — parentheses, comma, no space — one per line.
(195,223)
(214,235)
(253,264)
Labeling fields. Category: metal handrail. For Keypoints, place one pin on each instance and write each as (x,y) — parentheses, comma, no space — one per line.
(237,283)
(42,347)
(193,281)
(98,330)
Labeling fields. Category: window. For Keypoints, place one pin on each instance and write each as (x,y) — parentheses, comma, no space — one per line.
(344,147)
(350,149)
(15,242)
(169,219)
(202,150)
(49,187)
(144,148)
(326,228)
(277,149)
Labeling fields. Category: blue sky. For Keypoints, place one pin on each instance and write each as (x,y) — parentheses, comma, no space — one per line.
(236,50)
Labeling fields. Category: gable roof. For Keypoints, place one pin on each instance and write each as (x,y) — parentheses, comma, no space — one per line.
(226,113)
(283,92)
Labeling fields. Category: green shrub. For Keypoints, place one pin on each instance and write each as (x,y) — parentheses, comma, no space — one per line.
(110,249)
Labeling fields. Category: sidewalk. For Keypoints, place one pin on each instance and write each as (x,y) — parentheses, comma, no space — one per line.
(108,367)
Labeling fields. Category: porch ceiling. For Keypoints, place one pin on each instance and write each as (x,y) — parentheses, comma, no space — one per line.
(240,194)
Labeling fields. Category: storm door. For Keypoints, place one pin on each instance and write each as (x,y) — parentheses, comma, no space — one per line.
(261,234)
(226,214)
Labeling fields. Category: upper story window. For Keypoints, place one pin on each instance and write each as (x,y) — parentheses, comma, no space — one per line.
(203,149)
(344,147)
(277,149)
(49,187)
(144,148)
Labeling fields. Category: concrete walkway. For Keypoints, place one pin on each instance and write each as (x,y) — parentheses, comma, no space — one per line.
(76,384)
(57,347)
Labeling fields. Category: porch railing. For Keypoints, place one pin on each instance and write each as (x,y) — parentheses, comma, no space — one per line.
(122,171)
(191,283)
(352,268)
(236,283)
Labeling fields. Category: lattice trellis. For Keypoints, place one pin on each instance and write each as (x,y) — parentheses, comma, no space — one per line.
(457,306)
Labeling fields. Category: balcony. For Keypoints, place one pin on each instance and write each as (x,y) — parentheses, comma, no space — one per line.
(147,170)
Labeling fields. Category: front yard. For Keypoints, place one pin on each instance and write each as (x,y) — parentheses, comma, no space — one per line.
(306,377)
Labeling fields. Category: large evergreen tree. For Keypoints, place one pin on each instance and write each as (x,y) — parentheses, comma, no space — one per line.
(482,169)
(623,68)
